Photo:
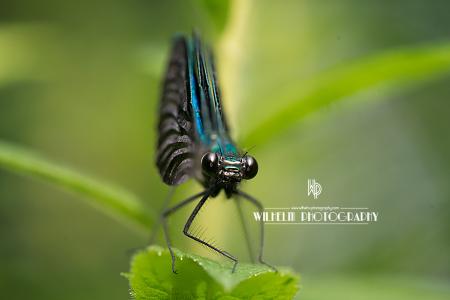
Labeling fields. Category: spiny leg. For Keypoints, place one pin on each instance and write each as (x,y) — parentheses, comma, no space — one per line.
(188,234)
(261,244)
(167,213)
(244,227)
(166,202)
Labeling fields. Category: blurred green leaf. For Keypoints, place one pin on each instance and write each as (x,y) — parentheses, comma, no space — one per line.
(151,277)
(391,70)
(16,61)
(363,286)
(113,200)
(218,12)
(20,48)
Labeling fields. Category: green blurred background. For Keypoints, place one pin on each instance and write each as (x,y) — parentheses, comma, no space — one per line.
(79,83)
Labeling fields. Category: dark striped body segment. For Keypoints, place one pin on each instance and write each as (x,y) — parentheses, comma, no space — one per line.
(176,140)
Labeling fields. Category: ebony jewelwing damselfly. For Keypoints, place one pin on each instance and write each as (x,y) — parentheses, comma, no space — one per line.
(194,139)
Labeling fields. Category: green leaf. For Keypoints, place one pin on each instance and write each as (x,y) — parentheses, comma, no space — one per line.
(151,277)
(391,70)
(113,200)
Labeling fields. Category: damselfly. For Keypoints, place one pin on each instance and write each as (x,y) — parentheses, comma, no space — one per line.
(194,139)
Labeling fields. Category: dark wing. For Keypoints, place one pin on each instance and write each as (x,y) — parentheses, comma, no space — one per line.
(175,155)
(215,87)
(212,112)
(207,79)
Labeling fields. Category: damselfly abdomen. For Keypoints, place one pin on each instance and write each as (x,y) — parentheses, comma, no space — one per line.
(194,140)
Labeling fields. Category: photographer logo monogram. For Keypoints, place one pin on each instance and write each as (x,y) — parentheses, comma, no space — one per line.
(319,215)
(314,188)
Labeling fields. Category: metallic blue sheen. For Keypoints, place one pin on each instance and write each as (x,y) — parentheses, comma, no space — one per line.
(210,127)
(194,96)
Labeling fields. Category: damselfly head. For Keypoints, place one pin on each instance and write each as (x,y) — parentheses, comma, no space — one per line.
(229,169)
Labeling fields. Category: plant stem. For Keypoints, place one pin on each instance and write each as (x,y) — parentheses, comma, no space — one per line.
(115,201)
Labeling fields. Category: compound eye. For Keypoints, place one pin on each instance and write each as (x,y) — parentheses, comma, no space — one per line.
(210,163)
(250,167)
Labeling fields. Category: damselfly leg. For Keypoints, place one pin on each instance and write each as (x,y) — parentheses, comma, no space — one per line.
(171,210)
(155,229)
(245,229)
(261,240)
(188,234)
